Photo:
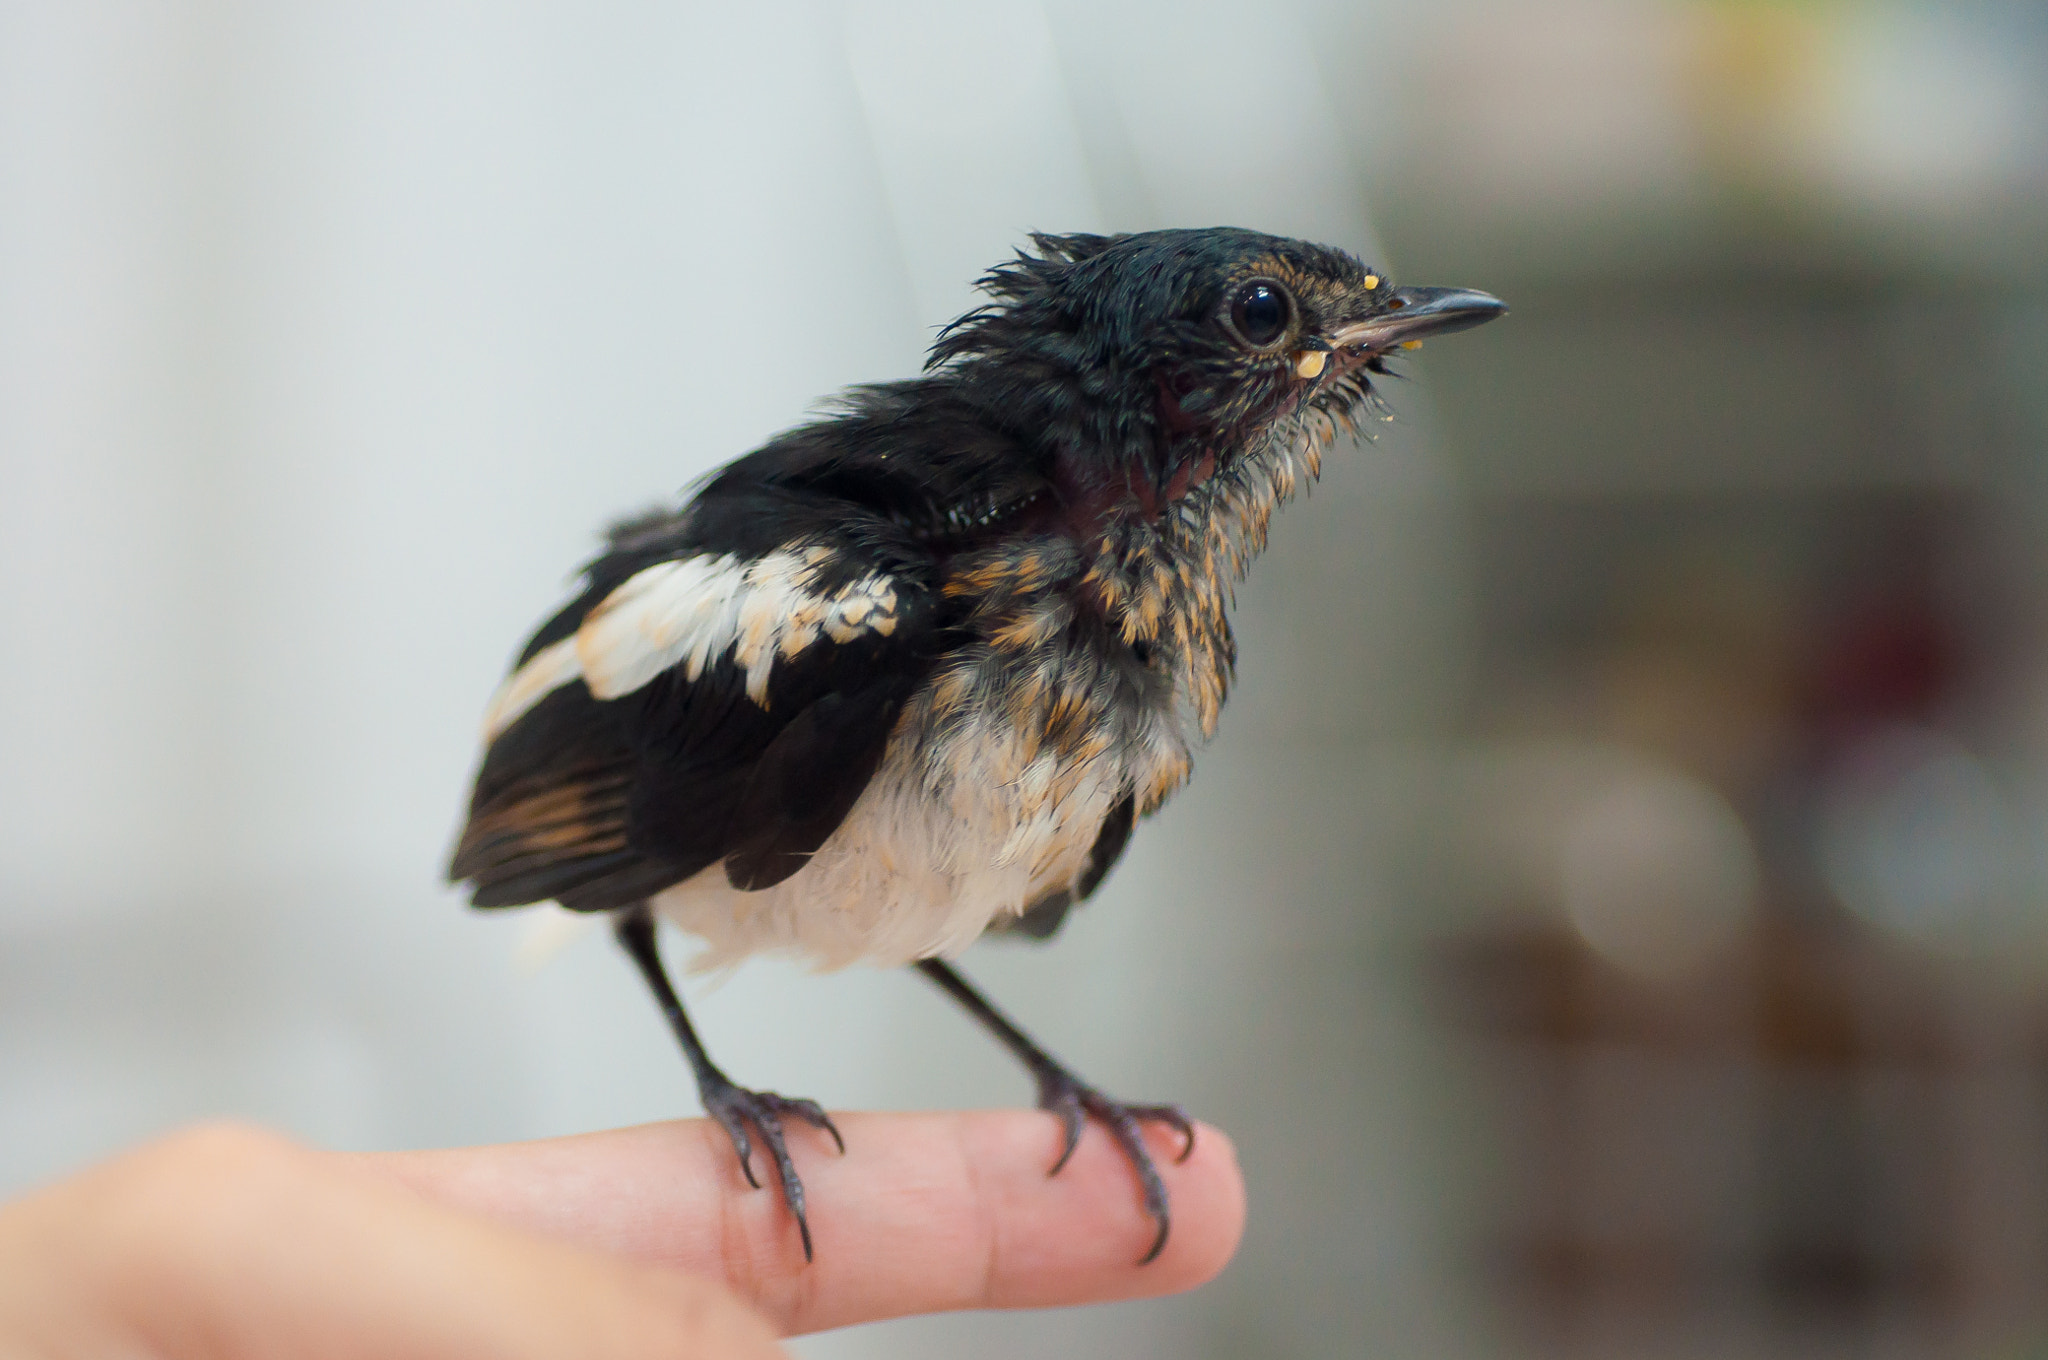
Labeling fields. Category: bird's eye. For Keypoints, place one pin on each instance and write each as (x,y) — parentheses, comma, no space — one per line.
(1259,313)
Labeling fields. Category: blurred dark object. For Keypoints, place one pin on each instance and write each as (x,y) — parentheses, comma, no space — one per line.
(1749,620)
(1744,911)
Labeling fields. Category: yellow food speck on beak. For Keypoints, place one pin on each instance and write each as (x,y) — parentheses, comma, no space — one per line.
(1411,344)
(1309,363)
(1372,280)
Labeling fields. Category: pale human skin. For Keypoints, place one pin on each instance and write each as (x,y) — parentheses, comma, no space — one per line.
(227,1241)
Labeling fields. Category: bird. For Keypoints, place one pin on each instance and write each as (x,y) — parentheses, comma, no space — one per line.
(911,672)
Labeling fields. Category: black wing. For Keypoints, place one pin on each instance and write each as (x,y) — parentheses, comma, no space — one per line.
(604,791)
(614,786)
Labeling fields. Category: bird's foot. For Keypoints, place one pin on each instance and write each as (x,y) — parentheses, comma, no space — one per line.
(735,1107)
(1073,1100)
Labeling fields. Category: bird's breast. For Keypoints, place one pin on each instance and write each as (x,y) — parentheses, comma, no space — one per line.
(1069,691)
(1090,651)
(992,793)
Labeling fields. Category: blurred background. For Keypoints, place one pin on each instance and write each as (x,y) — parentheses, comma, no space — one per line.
(1614,920)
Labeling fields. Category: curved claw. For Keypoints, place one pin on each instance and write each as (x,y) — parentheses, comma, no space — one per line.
(812,1113)
(729,1120)
(765,1119)
(735,1107)
(1124,1126)
(1073,1102)
(1175,1118)
(1068,1108)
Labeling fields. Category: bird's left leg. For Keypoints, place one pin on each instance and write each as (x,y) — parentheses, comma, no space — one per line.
(732,1105)
(1072,1099)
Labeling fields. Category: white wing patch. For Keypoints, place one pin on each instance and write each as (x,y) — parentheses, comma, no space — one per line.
(692,613)
(550,669)
(697,610)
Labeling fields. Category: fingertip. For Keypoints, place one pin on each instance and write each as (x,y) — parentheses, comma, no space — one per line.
(1209,1218)
(1085,1237)
(935,1212)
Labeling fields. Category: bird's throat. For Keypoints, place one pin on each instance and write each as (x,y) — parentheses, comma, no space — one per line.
(1135,490)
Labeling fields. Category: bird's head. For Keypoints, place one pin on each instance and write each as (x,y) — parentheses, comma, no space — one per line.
(1147,358)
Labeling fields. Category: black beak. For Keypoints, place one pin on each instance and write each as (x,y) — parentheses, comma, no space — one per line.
(1412,313)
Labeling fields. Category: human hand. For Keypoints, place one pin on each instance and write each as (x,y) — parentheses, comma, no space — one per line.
(227,1241)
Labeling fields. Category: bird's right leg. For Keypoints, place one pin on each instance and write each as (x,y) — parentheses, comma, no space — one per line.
(733,1106)
(1073,1100)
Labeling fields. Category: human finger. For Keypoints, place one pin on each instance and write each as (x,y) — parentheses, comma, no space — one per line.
(924,1213)
(230,1242)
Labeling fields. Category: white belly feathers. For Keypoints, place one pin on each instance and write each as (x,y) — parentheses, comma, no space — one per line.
(958,831)
(912,872)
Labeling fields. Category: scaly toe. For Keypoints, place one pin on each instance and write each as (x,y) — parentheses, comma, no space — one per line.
(1073,1101)
(734,1107)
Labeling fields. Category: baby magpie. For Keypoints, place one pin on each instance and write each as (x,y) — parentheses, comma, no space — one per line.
(909,673)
